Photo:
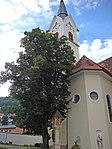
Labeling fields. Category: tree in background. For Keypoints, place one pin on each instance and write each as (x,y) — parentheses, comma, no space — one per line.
(4,120)
(40,80)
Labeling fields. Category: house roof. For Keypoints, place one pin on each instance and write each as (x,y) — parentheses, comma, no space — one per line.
(8,127)
(87,64)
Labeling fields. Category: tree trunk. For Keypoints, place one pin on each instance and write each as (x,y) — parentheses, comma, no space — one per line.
(45,137)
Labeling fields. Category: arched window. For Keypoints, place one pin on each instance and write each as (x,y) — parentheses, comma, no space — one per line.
(109,104)
(70,36)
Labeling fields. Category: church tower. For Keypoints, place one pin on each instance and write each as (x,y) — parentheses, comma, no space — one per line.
(89,120)
(63,25)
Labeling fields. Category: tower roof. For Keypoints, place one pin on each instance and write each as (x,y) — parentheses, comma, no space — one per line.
(62,12)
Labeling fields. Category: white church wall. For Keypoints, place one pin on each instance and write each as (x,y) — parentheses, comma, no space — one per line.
(68,28)
(59,25)
(78,114)
(96,113)
(106,85)
(73,30)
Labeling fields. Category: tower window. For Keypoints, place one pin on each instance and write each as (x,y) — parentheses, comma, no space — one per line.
(70,36)
(109,104)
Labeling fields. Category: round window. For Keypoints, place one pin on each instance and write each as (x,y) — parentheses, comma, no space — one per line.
(94,95)
(76,98)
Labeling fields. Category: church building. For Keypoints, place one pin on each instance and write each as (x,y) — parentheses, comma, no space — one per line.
(89,121)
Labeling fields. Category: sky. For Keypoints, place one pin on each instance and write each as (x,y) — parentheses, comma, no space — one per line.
(92,17)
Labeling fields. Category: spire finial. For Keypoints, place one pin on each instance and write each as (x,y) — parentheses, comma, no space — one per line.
(62,12)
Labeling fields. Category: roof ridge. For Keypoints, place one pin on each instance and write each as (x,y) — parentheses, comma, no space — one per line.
(85,63)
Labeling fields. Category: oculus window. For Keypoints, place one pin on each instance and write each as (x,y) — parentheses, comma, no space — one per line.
(94,95)
(76,98)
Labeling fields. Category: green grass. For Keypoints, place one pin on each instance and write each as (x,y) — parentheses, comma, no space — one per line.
(20,147)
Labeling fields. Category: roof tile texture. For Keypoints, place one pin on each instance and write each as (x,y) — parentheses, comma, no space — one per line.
(87,64)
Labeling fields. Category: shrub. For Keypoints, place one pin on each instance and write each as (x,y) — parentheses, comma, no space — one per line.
(37,145)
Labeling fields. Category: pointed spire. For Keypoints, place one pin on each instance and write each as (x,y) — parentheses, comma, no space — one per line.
(62,12)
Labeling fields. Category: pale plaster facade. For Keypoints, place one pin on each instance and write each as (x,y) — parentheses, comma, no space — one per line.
(88,118)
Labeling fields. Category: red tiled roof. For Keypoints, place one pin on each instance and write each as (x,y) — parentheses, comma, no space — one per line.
(87,64)
(107,64)
(1,114)
(11,115)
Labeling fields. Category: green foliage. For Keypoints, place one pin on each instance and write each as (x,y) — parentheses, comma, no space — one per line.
(8,105)
(4,120)
(40,80)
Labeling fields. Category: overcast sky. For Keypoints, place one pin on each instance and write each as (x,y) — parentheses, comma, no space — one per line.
(92,17)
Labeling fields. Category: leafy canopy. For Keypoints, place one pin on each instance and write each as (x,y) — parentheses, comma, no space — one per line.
(40,78)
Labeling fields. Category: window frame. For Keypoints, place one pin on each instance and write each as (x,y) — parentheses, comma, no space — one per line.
(109,106)
(93,99)
(70,35)
(78,99)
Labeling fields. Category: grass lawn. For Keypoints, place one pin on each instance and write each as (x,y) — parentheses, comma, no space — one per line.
(17,147)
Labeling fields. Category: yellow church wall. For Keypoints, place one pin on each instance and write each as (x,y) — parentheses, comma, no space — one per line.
(78,115)
(96,113)
(107,89)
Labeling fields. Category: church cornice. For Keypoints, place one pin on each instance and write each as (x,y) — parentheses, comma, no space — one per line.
(72,42)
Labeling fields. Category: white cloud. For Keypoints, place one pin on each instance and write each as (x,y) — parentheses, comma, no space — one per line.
(9,46)
(45,4)
(84,48)
(4,89)
(97,50)
(16,16)
(12,10)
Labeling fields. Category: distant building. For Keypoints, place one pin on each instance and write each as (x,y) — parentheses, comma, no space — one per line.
(10,118)
(12,129)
